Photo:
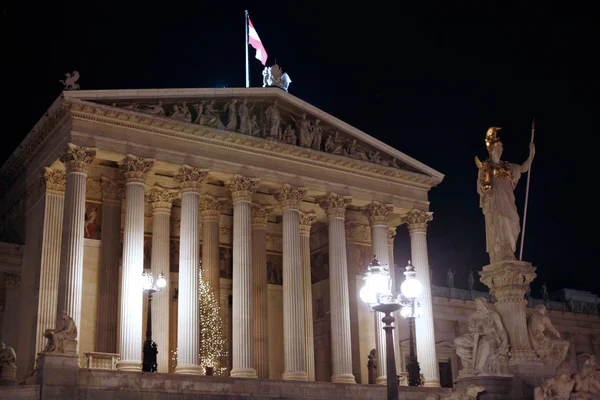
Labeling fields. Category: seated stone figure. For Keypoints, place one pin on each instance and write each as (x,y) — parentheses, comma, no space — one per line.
(8,363)
(63,339)
(557,388)
(551,351)
(484,350)
(587,386)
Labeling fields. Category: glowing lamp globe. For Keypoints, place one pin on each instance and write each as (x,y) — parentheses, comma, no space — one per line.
(367,295)
(411,288)
(405,311)
(379,283)
(147,281)
(161,282)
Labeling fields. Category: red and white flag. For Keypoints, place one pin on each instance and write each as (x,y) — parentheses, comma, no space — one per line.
(254,40)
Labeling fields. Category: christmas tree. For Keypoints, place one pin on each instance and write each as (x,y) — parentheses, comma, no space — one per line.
(212,345)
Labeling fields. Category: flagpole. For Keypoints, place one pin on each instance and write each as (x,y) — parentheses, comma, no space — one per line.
(526,195)
(247,62)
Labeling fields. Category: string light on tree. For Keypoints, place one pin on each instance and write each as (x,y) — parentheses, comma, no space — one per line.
(212,344)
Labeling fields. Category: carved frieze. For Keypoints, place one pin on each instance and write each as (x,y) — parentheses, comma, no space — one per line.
(135,168)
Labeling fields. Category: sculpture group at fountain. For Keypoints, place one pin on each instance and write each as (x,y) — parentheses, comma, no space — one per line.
(484,350)
(550,350)
(583,385)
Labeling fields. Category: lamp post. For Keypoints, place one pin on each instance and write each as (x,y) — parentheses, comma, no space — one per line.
(150,351)
(378,295)
(411,289)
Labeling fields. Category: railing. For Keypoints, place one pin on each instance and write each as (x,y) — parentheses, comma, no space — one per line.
(102,360)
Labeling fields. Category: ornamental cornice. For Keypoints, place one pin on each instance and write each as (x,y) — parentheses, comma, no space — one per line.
(189,131)
(242,187)
(377,212)
(289,197)
(161,198)
(112,190)
(77,159)
(55,181)
(135,168)
(260,214)
(334,204)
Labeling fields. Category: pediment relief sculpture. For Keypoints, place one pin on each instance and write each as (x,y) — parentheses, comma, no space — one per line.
(269,120)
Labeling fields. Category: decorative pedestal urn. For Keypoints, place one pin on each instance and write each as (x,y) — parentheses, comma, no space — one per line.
(508,282)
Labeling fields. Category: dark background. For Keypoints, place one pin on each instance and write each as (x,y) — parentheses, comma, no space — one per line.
(426,77)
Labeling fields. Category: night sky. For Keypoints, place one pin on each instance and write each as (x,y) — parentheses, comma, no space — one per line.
(426,78)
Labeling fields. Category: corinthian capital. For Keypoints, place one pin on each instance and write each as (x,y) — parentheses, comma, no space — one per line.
(391,234)
(190,178)
(417,220)
(260,213)
(211,206)
(377,212)
(55,180)
(334,204)
(241,187)
(112,190)
(161,198)
(77,158)
(135,168)
(289,197)
(306,221)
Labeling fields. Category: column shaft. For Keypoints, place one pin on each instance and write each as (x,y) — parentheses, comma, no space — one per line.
(130,327)
(51,248)
(424,328)
(259,274)
(108,275)
(210,209)
(396,315)
(341,344)
(77,160)
(188,333)
(243,324)
(305,224)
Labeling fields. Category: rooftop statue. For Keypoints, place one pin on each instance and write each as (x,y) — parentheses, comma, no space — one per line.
(274,76)
(496,184)
(70,81)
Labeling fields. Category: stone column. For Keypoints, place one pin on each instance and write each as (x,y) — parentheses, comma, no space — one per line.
(306,221)
(417,227)
(508,282)
(54,182)
(108,275)
(289,198)
(391,235)
(77,160)
(135,170)
(161,200)
(241,189)
(377,213)
(210,211)
(188,329)
(259,275)
(341,346)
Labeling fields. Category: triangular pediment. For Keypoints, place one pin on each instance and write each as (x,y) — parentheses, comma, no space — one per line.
(264,113)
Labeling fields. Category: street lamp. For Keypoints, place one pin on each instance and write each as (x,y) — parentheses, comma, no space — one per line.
(411,289)
(377,293)
(149,286)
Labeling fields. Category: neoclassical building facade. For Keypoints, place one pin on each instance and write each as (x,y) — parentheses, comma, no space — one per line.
(282,206)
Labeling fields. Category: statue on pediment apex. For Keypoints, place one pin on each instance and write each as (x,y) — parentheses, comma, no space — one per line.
(70,81)
(274,76)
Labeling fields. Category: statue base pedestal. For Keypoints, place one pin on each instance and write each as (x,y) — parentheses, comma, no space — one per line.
(496,387)
(58,375)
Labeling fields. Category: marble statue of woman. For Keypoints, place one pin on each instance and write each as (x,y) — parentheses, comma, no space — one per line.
(244,113)
(496,184)
(232,115)
(549,349)
(8,363)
